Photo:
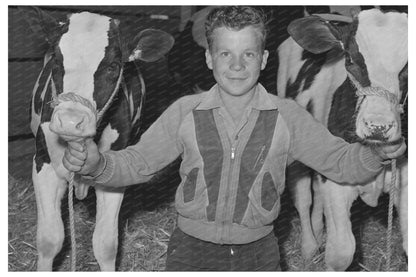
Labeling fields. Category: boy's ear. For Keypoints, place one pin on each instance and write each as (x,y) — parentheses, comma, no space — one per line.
(208,59)
(264,59)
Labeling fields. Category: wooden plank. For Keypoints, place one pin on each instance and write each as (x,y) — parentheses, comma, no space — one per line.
(23,44)
(22,77)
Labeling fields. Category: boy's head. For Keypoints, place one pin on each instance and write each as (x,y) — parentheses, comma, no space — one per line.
(236,55)
(235,18)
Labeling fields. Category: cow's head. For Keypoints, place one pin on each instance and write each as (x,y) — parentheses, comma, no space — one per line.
(374,47)
(86,59)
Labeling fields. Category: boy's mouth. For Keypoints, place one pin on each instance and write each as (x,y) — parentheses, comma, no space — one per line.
(237,78)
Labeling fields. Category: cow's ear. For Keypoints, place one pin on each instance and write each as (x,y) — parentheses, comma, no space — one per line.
(42,23)
(151,45)
(315,35)
(198,27)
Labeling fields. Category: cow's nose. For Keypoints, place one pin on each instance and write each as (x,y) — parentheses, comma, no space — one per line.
(72,123)
(377,130)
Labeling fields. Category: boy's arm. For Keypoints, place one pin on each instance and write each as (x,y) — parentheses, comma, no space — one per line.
(313,145)
(158,147)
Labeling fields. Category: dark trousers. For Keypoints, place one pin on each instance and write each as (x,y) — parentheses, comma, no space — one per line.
(186,253)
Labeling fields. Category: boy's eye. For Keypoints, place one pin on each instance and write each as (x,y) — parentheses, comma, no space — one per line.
(250,54)
(224,54)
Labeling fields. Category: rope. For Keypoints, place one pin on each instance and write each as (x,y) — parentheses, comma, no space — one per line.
(72,222)
(390,215)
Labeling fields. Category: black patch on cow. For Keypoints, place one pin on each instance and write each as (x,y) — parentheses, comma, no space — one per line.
(403,84)
(187,63)
(119,114)
(58,70)
(341,116)
(306,75)
(354,60)
(43,78)
(108,71)
(41,155)
(309,107)
(47,109)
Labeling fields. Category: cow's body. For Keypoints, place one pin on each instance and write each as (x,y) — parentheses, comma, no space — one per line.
(88,75)
(365,55)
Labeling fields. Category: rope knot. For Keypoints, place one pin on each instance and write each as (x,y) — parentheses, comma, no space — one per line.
(72,97)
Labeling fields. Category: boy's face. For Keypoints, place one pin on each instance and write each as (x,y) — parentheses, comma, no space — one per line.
(236,59)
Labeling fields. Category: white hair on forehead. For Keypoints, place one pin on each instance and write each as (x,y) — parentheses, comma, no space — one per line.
(83,48)
(382,37)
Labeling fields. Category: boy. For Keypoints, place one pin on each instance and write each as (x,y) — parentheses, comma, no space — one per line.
(235,141)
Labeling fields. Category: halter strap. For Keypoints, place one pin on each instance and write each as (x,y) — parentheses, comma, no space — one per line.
(73,97)
(375,91)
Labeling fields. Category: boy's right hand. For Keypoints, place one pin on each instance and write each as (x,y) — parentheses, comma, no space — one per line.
(83,158)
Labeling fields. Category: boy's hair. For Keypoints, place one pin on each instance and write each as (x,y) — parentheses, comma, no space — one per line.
(236,18)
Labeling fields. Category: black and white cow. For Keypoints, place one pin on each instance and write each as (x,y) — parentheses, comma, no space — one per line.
(89,74)
(348,76)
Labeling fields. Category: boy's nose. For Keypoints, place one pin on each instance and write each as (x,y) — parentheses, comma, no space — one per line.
(237,64)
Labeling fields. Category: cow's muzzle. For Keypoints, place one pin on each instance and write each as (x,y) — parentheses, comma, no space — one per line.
(74,117)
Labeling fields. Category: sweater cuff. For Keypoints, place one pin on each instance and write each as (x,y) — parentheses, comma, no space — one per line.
(370,160)
(108,171)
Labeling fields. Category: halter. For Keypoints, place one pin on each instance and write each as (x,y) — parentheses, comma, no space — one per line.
(75,98)
(377,91)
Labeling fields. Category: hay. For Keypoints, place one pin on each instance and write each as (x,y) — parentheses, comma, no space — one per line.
(144,236)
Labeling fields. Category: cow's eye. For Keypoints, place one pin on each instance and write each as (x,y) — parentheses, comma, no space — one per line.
(348,60)
(113,68)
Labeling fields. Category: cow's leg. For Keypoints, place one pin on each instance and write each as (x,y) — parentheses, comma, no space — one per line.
(300,187)
(402,205)
(317,216)
(49,190)
(340,244)
(105,237)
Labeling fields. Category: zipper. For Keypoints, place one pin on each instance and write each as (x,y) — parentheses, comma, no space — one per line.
(227,192)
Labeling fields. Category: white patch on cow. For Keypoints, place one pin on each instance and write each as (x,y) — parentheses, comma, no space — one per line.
(56,148)
(382,40)
(329,78)
(108,137)
(290,54)
(83,48)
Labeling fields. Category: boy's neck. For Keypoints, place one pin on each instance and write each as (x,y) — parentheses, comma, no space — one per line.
(236,105)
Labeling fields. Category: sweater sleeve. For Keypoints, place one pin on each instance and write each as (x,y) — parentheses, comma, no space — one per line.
(158,147)
(313,145)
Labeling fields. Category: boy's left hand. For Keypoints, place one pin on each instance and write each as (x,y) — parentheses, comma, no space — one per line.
(388,152)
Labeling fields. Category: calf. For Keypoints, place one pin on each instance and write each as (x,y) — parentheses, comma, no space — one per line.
(89,73)
(348,76)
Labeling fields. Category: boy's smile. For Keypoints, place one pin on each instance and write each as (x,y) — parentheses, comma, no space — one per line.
(236,59)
